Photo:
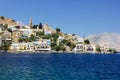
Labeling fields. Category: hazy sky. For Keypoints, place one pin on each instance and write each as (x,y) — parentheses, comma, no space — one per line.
(72,16)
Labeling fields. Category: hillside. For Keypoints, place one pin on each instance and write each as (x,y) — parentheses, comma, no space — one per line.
(8,21)
(110,39)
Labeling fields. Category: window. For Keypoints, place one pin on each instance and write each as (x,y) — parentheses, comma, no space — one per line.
(77,47)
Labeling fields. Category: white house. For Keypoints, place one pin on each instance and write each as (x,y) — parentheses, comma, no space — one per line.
(22,47)
(7,36)
(29,46)
(47,29)
(79,48)
(15,47)
(26,32)
(86,48)
(78,39)
(42,45)
(60,38)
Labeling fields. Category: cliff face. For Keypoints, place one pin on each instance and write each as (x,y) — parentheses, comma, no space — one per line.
(8,21)
(110,39)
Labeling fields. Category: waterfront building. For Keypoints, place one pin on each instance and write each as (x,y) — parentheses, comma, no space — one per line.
(79,48)
(22,47)
(105,49)
(90,48)
(15,47)
(84,48)
(29,46)
(42,45)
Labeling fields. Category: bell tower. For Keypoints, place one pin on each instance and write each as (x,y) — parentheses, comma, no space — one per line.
(30,23)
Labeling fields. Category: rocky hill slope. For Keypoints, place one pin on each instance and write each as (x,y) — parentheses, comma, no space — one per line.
(8,21)
(110,39)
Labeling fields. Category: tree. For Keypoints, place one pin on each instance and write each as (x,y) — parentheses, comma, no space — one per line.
(41,33)
(68,43)
(55,36)
(5,45)
(27,40)
(58,30)
(9,30)
(34,26)
(98,49)
(73,34)
(2,17)
(110,50)
(86,41)
(57,48)
(62,47)
(13,20)
(46,37)
(114,51)
(0,47)
(72,46)
(20,39)
(32,38)
(63,41)
(53,44)
(40,26)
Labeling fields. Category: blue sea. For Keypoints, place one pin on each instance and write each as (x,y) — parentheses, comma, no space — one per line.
(40,66)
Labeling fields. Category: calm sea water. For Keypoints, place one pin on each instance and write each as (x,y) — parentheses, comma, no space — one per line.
(59,67)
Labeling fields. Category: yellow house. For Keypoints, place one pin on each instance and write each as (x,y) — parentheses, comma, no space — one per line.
(16,34)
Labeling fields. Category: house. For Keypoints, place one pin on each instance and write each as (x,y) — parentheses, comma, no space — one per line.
(53,31)
(84,48)
(42,45)
(6,36)
(78,39)
(90,48)
(68,36)
(1,28)
(47,29)
(22,47)
(14,27)
(79,48)
(16,34)
(15,47)
(60,38)
(104,49)
(26,32)
(29,46)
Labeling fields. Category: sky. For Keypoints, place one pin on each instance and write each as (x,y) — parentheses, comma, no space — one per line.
(82,17)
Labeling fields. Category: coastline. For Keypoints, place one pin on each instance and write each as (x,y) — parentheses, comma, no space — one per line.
(51,52)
